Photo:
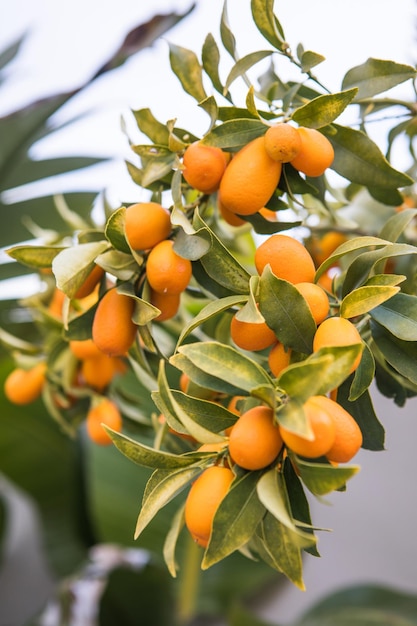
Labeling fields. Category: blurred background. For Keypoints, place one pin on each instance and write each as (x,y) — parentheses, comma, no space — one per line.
(67,88)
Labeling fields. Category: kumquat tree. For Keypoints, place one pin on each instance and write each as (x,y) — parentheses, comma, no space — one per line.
(224,331)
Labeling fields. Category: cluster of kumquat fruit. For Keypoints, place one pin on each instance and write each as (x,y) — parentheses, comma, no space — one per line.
(214,342)
(246,181)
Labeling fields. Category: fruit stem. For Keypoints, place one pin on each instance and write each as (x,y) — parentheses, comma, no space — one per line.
(190,574)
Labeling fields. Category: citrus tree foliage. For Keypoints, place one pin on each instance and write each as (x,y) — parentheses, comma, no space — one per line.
(362,198)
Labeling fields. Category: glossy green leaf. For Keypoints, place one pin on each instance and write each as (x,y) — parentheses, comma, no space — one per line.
(363,299)
(276,545)
(210,311)
(235,133)
(34,256)
(286,312)
(363,605)
(376,76)
(272,492)
(72,265)
(398,316)
(267,23)
(115,230)
(365,264)
(324,109)
(395,225)
(119,264)
(146,456)
(183,411)
(211,415)
(186,67)
(299,504)
(360,160)
(352,245)
(243,65)
(318,374)
(235,520)
(310,59)
(227,36)
(220,264)
(177,524)
(364,413)
(225,363)
(321,478)
(156,131)
(202,378)
(210,56)
(161,488)
(364,374)
(400,354)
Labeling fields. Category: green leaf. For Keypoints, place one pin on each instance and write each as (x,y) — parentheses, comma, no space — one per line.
(321,478)
(115,230)
(272,492)
(158,133)
(208,312)
(224,363)
(286,312)
(34,256)
(352,245)
(227,37)
(376,76)
(363,299)
(219,263)
(363,411)
(363,605)
(235,133)
(324,109)
(321,372)
(183,411)
(310,59)
(267,23)
(243,65)
(171,540)
(235,520)
(147,456)
(210,415)
(364,374)
(400,354)
(360,160)
(364,264)
(398,316)
(186,67)
(210,56)
(395,225)
(72,265)
(161,488)
(276,545)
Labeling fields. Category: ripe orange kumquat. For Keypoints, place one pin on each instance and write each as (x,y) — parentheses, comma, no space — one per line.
(168,305)
(316,153)
(105,412)
(255,440)
(166,271)
(322,426)
(282,142)
(316,299)
(113,329)
(252,336)
(204,166)
(288,258)
(23,386)
(279,358)
(203,500)
(146,224)
(250,179)
(348,439)
(337,331)
(90,283)
(98,371)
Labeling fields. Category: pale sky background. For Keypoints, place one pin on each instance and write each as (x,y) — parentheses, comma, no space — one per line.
(68,41)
